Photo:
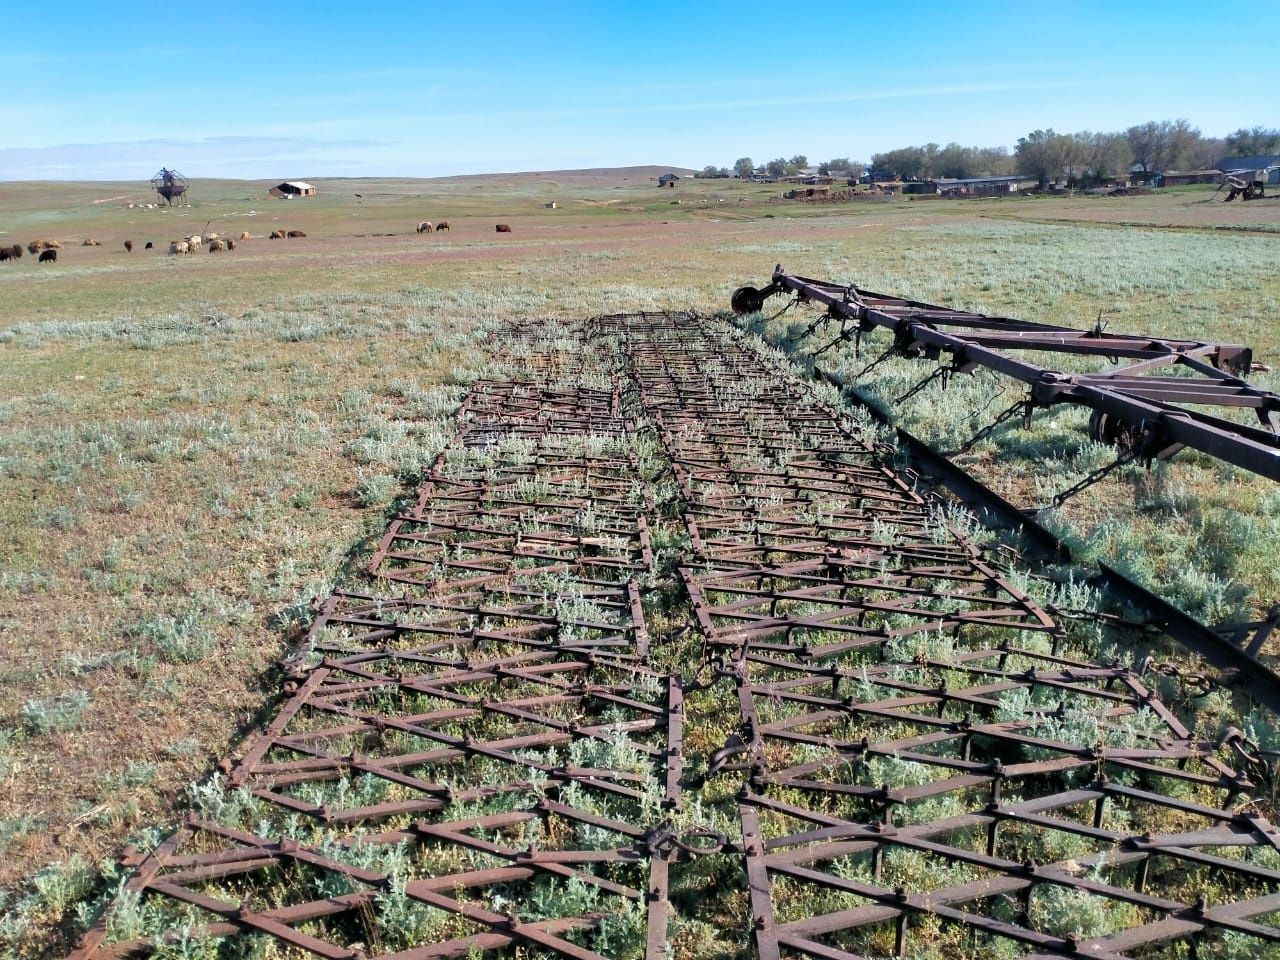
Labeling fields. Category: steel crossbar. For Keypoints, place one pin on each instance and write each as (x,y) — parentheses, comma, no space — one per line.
(1147,402)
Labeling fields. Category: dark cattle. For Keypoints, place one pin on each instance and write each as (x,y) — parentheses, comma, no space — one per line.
(48,256)
(424,226)
(277,234)
(149,246)
(295,233)
(231,244)
(6,253)
(16,250)
(503,228)
(128,246)
(442,226)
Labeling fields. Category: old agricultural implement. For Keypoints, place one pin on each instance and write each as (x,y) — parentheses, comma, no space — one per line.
(1146,394)
(1246,184)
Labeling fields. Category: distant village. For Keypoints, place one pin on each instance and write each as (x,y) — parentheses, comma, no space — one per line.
(1150,155)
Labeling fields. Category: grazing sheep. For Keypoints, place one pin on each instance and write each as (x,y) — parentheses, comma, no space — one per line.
(149,246)
(89,242)
(244,236)
(442,226)
(216,245)
(211,236)
(424,226)
(128,246)
(295,233)
(35,246)
(504,228)
(231,244)
(179,246)
(49,256)
(277,234)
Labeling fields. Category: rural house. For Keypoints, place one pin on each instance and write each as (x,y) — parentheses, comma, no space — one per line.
(1259,163)
(970,186)
(983,186)
(292,188)
(668,180)
(812,179)
(1181,178)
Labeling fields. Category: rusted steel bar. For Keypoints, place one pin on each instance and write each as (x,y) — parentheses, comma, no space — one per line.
(1152,407)
(1244,669)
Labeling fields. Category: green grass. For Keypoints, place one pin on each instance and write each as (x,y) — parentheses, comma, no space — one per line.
(191,448)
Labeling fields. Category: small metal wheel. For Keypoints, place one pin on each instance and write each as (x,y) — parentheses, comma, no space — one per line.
(747,300)
(1110,430)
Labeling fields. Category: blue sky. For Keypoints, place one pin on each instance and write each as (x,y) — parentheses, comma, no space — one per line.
(225,88)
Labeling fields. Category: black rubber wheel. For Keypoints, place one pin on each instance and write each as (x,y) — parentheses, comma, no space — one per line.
(1109,430)
(746,300)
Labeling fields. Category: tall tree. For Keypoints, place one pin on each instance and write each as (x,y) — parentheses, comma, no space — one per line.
(1147,144)
(1046,155)
(994,162)
(1252,142)
(1162,145)
(955,161)
(797,163)
(744,167)
(1184,143)
(1103,155)
(905,163)
(1205,153)
(929,158)
(777,167)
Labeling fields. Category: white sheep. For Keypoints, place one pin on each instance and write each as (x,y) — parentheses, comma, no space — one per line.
(179,246)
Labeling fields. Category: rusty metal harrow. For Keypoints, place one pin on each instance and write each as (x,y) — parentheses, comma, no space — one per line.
(477,751)
(914,732)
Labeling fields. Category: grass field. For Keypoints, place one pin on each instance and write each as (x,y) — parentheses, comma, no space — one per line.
(193,447)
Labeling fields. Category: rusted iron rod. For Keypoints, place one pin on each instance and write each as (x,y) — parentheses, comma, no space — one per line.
(1154,408)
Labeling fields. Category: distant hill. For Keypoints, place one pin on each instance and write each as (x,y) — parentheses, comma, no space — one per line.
(104,187)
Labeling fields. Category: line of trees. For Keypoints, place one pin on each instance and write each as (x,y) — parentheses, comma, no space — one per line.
(781,167)
(1079,158)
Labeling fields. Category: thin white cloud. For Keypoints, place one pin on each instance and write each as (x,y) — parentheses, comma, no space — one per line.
(747,103)
(135,160)
(11,58)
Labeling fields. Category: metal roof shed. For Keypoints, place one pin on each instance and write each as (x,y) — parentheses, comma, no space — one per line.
(292,188)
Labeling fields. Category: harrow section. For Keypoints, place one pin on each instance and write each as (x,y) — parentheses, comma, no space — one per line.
(923,745)
(479,752)
(476,754)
